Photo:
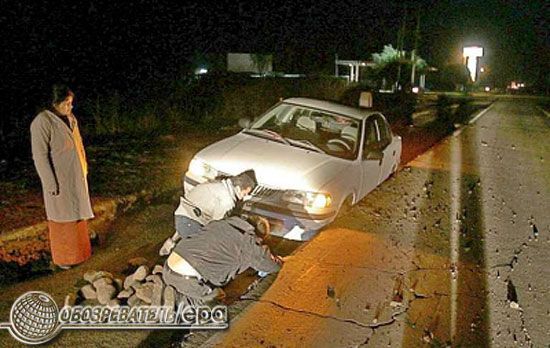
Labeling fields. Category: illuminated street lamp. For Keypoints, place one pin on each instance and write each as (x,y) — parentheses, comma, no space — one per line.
(471,54)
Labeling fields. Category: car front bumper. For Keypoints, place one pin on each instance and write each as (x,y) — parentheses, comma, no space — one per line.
(285,222)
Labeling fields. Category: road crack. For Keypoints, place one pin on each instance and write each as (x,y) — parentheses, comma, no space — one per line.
(514,260)
(331,317)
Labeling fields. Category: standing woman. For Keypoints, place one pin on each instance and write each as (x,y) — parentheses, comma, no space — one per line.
(60,160)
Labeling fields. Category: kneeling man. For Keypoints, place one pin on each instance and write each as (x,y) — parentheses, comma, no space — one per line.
(203,262)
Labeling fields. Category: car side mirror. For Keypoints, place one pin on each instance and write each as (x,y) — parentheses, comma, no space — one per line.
(245,123)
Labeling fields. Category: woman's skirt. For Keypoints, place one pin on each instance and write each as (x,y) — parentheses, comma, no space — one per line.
(69,242)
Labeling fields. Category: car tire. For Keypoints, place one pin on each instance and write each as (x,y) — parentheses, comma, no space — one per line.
(394,169)
(345,208)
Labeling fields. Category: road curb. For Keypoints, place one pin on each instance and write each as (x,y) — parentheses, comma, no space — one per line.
(546,113)
(27,244)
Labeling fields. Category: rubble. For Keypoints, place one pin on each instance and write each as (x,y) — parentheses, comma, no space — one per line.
(139,288)
(88,292)
(141,273)
(105,293)
(157,269)
(169,296)
(126,293)
(92,276)
(145,292)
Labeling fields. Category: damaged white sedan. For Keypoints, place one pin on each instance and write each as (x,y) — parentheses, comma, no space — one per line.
(312,158)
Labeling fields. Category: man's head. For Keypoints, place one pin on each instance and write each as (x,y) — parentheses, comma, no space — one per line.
(261,226)
(244,183)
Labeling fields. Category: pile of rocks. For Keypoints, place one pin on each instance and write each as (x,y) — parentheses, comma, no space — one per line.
(142,287)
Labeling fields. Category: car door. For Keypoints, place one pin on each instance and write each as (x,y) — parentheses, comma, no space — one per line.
(370,168)
(385,145)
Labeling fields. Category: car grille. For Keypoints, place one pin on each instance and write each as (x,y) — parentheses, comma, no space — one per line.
(264,192)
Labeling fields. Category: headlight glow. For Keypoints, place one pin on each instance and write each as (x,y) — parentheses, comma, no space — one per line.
(202,169)
(317,200)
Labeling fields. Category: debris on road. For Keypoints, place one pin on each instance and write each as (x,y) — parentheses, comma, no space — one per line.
(139,288)
(512,295)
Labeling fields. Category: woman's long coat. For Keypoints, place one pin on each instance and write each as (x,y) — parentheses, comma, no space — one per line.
(60,161)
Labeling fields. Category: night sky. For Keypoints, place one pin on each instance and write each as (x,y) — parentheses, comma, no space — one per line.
(108,45)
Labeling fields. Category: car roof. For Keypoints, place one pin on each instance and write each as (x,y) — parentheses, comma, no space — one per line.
(331,107)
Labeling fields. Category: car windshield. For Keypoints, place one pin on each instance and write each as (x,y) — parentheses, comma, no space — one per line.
(311,129)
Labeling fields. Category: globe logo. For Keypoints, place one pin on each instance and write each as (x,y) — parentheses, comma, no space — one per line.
(34,318)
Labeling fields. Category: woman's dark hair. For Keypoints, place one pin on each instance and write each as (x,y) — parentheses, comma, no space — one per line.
(60,92)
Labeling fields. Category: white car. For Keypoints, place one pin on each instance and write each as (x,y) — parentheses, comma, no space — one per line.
(311,159)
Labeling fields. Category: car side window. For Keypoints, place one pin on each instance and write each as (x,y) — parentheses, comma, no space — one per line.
(385,133)
(371,136)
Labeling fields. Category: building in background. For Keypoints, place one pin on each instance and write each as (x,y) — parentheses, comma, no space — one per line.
(250,63)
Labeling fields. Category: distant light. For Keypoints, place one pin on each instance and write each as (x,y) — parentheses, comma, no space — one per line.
(293,76)
(481,69)
(487,89)
(201,71)
(415,89)
(471,54)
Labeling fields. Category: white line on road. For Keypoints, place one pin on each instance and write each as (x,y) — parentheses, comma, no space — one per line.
(480,114)
(455,177)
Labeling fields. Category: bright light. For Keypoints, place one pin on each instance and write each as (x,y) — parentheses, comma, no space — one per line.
(471,54)
(318,200)
(516,85)
(415,89)
(482,69)
(487,89)
(201,71)
(315,200)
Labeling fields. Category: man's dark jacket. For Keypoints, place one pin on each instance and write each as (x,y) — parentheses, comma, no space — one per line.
(225,248)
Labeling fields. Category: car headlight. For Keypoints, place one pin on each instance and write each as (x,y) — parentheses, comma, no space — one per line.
(316,200)
(202,169)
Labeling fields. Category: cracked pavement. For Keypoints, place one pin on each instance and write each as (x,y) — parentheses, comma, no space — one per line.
(426,259)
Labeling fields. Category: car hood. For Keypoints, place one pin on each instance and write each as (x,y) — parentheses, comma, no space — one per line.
(277,165)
